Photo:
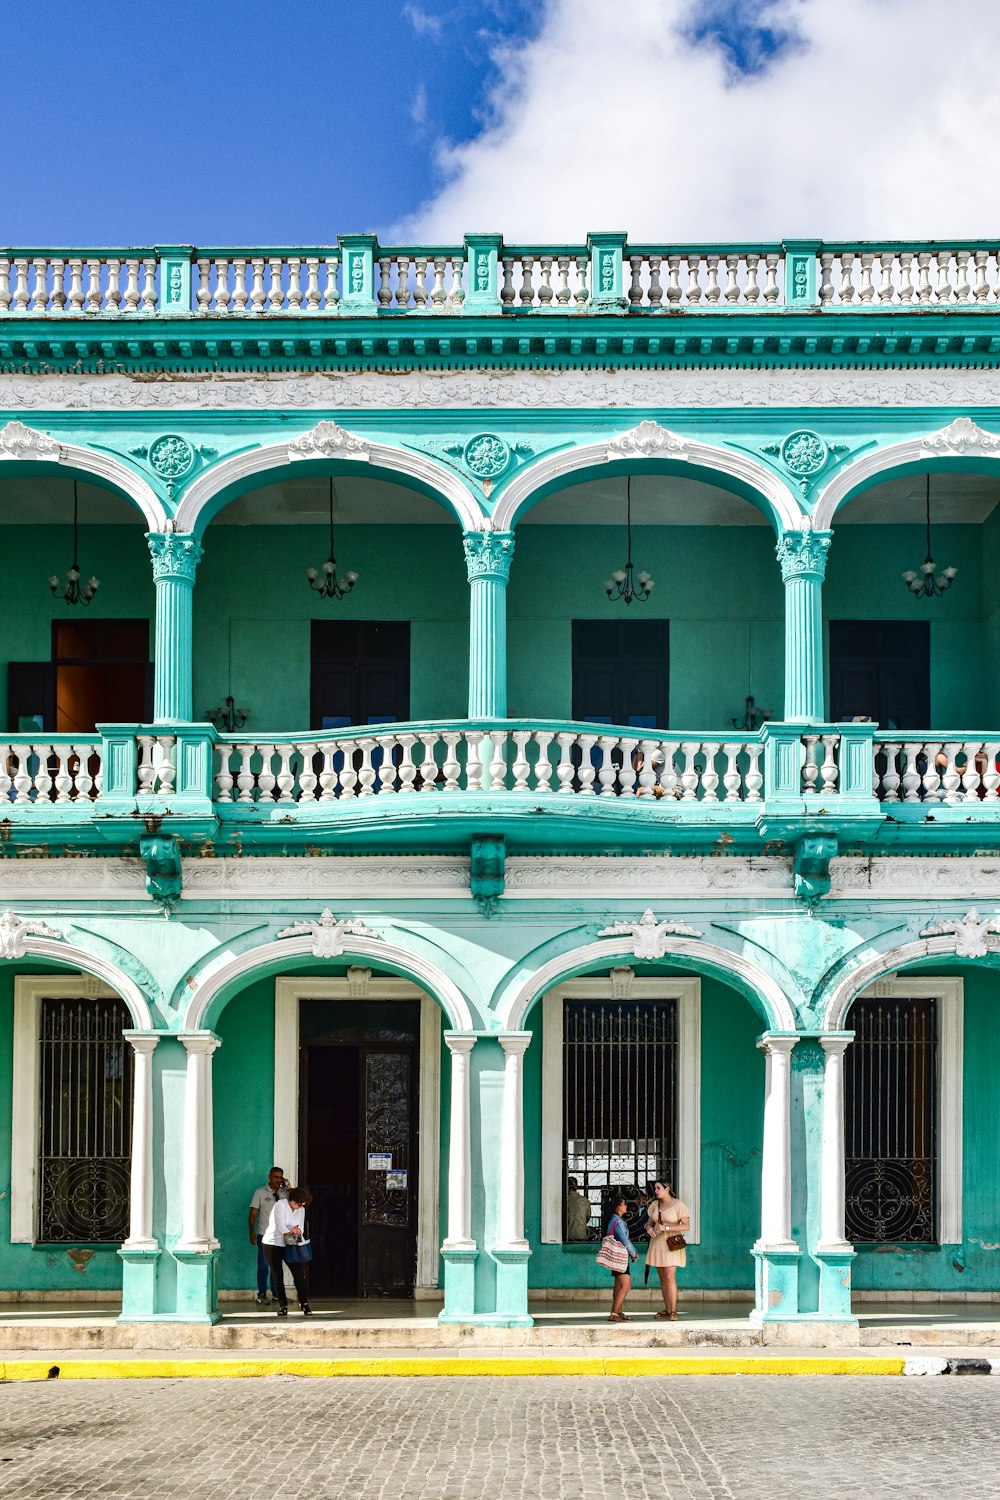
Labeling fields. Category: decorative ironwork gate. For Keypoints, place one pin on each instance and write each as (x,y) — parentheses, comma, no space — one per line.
(85,1131)
(619,1100)
(891,1121)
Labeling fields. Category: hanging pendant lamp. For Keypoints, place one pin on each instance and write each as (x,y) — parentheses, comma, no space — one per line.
(927,583)
(72,592)
(324,580)
(624,583)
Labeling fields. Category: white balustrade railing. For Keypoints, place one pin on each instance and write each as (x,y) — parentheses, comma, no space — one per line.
(157,765)
(50,283)
(949,770)
(59,769)
(655,278)
(820,764)
(488,758)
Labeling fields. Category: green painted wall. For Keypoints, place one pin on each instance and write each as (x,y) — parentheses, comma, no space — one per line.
(732,1090)
(973,1266)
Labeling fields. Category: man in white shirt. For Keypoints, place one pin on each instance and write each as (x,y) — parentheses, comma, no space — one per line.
(261,1203)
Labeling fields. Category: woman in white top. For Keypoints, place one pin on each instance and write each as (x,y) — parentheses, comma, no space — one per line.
(288,1218)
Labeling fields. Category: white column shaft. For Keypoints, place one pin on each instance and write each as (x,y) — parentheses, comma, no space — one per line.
(460,1146)
(832,1169)
(511,1227)
(198,1195)
(776,1163)
(141,1196)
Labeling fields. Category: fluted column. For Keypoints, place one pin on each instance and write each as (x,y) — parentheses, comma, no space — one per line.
(175,558)
(802,556)
(198,1229)
(511,1218)
(776,1155)
(460,1145)
(488,556)
(140,1233)
(832,1232)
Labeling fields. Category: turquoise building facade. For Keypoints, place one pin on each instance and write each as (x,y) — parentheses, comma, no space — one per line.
(482,816)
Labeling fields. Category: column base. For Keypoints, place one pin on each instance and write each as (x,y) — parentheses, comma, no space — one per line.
(776,1283)
(459,1282)
(140,1258)
(835,1281)
(197,1283)
(512,1285)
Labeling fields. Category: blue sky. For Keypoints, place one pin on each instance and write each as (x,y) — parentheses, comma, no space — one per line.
(242,124)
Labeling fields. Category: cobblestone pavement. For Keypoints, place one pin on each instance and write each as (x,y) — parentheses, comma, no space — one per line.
(672,1438)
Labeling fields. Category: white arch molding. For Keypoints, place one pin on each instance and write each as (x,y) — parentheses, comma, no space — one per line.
(219,975)
(645,444)
(780,1015)
(843,995)
(960,440)
(363,453)
(69,956)
(26,445)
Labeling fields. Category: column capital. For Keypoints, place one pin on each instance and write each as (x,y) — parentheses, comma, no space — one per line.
(488,554)
(777,1042)
(514,1043)
(459,1043)
(802,554)
(836,1043)
(196,1042)
(142,1042)
(175,554)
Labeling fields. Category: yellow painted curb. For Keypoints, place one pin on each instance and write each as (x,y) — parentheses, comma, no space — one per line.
(242,1369)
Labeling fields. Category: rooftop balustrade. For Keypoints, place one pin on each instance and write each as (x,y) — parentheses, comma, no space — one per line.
(483,276)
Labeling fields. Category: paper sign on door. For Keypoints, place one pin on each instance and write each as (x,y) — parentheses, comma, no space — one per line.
(380,1161)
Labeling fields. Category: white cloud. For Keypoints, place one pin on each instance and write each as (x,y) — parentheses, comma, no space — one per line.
(422,21)
(884,122)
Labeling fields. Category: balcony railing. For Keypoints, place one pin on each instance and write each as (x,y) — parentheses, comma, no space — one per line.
(358,276)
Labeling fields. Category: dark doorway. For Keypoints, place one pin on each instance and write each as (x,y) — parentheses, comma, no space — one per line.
(360,672)
(99,673)
(881,670)
(621,672)
(358,1149)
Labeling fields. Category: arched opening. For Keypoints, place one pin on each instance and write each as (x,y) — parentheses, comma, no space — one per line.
(577,653)
(299,661)
(638,1072)
(66,668)
(916,663)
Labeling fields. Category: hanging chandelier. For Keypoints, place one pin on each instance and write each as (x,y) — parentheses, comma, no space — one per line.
(324,580)
(928,582)
(624,583)
(227,718)
(72,592)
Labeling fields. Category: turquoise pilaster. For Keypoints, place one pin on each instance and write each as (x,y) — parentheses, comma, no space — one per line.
(607,291)
(358,262)
(802,556)
(459,1285)
(482,259)
(776,1283)
(175,277)
(175,558)
(488,557)
(800,274)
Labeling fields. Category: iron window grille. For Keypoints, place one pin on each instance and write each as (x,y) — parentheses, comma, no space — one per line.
(619,1102)
(891,1111)
(85,1129)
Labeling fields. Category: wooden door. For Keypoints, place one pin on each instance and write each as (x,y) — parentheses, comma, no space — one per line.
(621,672)
(881,670)
(360,672)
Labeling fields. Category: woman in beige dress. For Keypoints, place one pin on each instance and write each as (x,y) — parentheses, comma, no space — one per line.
(666,1215)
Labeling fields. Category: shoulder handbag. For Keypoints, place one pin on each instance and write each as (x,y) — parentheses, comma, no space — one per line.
(676,1242)
(298,1253)
(612,1255)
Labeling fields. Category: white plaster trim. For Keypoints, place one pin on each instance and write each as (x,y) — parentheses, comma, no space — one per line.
(66,954)
(688,995)
(29,991)
(337,392)
(444,482)
(111,471)
(952,442)
(224,970)
(523,490)
(287,994)
(858,980)
(950,996)
(518,999)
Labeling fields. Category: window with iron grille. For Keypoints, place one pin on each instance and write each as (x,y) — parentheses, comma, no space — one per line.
(85,1126)
(891,1108)
(619,1101)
